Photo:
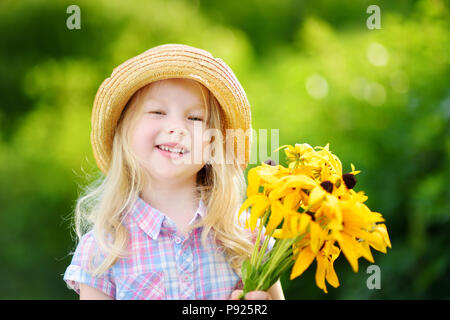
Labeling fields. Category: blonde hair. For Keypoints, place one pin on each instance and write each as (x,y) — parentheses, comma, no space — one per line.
(104,204)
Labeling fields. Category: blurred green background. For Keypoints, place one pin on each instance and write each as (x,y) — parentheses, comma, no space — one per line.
(311,69)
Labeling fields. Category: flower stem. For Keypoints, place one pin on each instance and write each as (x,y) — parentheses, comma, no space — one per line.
(263,250)
(254,257)
(274,262)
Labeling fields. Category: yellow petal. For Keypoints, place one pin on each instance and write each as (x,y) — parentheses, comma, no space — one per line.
(289,182)
(332,209)
(259,203)
(377,242)
(334,224)
(359,233)
(293,223)
(353,169)
(254,181)
(257,211)
(332,277)
(360,196)
(277,214)
(316,237)
(283,146)
(317,194)
(248,202)
(383,230)
(365,251)
(305,219)
(347,245)
(292,199)
(278,233)
(303,261)
(320,272)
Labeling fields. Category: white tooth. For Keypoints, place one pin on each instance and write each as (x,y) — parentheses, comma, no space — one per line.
(172,149)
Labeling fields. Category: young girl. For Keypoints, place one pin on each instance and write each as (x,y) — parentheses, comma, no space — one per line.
(161,222)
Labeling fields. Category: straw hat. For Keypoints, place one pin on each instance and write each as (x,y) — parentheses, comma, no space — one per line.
(164,62)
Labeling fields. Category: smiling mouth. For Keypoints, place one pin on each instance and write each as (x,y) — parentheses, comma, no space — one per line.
(179,151)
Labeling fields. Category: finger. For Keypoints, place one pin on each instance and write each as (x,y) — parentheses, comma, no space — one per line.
(235,294)
(258,295)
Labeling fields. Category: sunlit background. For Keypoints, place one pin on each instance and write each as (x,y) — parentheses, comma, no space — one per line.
(312,69)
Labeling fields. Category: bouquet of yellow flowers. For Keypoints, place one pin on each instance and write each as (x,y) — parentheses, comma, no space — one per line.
(312,211)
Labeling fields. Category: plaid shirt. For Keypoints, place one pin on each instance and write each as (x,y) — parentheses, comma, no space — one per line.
(163,263)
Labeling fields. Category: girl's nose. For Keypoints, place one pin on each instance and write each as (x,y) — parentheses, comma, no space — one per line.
(177,131)
(176,126)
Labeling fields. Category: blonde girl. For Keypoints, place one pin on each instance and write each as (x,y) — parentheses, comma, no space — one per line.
(161,220)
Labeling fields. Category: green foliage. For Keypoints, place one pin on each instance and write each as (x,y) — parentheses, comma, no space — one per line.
(312,70)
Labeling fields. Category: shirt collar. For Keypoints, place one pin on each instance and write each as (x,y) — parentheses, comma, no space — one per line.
(150,219)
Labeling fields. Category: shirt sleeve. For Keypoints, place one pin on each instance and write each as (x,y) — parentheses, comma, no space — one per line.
(87,256)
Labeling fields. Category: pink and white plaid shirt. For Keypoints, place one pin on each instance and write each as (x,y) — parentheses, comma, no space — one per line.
(163,265)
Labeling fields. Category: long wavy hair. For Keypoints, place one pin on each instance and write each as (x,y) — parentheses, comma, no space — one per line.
(104,203)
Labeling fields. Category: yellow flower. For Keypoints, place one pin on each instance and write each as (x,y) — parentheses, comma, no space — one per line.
(311,206)
(330,164)
(357,222)
(291,153)
(296,154)
(264,175)
(324,258)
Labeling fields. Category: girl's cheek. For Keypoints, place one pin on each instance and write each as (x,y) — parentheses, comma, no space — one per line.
(144,133)
(149,127)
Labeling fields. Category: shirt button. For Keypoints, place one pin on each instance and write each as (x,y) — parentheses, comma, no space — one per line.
(177,240)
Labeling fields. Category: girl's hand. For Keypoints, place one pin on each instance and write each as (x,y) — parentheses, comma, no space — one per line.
(252,295)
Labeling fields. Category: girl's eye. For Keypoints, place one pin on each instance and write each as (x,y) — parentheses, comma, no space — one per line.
(161,113)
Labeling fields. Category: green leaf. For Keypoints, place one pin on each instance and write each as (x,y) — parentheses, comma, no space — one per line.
(246,270)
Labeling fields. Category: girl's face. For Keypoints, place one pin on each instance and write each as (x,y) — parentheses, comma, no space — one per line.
(170,112)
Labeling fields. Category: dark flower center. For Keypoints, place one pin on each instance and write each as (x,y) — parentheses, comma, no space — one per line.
(349,180)
(270,162)
(327,186)
(311,214)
